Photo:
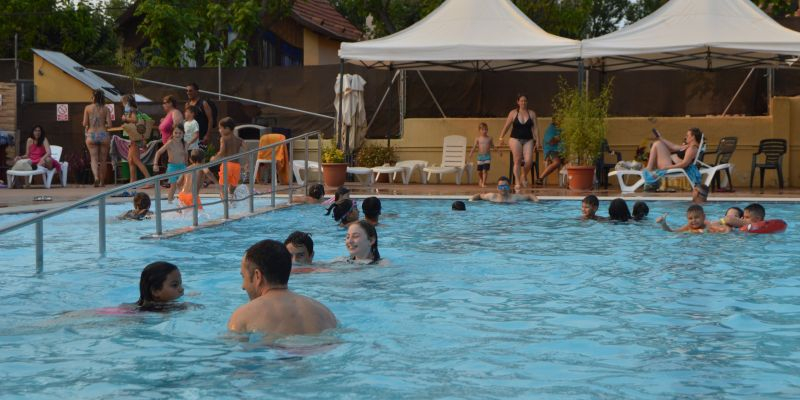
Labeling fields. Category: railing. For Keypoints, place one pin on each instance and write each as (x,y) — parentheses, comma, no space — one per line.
(100,198)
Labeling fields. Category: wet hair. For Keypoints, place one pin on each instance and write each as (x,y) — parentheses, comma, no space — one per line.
(591,200)
(341,190)
(153,277)
(371,207)
(194,85)
(316,191)
(227,122)
(340,209)
(298,238)
(40,141)
(197,156)
(503,178)
(697,133)
(459,205)
(618,210)
(640,210)
(483,125)
(98,96)
(756,210)
(695,209)
(141,201)
(130,100)
(371,233)
(739,211)
(171,99)
(272,259)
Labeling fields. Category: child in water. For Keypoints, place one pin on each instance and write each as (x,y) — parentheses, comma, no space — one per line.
(695,222)
(159,286)
(141,208)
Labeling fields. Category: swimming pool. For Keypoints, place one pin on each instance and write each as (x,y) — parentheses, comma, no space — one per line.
(500,301)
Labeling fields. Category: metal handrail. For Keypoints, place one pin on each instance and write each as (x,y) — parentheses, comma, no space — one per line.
(38,219)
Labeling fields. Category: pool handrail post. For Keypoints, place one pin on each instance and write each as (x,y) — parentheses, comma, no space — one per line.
(273,176)
(291,166)
(251,183)
(39,246)
(100,198)
(225,191)
(195,197)
(305,181)
(319,157)
(101,206)
(157,201)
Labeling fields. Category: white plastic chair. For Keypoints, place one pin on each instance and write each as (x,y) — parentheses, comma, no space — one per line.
(405,168)
(47,174)
(299,166)
(454,154)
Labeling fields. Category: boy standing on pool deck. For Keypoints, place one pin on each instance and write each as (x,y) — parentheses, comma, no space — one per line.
(484,144)
(273,308)
(696,222)
(229,145)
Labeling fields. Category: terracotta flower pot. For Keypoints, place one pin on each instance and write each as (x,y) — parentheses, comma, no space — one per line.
(334,174)
(580,177)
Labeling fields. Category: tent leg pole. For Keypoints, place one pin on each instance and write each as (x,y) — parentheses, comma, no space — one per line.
(431,93)
(581,75)
(383,99)
(338,132)
(738,91)
(770,88)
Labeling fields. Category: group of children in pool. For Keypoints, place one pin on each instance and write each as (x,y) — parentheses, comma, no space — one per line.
(696,221)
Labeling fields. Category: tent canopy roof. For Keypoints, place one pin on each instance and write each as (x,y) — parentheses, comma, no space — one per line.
(696,34)
(468,35)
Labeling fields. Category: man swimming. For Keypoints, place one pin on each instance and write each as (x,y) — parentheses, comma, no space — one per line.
(503,194)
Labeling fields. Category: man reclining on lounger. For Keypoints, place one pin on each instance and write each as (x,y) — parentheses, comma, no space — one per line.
(660,157)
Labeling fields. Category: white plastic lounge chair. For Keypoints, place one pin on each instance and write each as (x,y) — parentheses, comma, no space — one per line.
(299,166)
(47,174)
(362,171)
(454,154)
(405,168)
(704,169)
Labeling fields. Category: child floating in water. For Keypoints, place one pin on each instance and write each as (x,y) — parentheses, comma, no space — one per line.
(141,208)
(589,207)
(696,222)
(159,286)
(640,210)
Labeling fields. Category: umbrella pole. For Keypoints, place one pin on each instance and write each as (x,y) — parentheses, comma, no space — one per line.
(339,121)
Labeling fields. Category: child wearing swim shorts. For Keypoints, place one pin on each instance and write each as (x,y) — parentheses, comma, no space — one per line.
(483,143)
(186,197)
(176,155)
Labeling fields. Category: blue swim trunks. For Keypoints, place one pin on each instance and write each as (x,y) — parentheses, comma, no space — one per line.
(173,168)
(484,160)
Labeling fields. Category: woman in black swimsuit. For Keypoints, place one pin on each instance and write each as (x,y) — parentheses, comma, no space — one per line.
(523,138)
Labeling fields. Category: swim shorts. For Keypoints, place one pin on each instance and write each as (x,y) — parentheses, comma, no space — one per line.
(234,171)
(187,200)
(484,160)
(173,168)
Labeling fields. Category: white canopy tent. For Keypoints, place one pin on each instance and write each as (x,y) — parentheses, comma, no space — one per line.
(474,35)
(696,34)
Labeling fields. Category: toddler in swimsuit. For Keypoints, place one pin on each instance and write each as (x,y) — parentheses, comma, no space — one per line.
(483,143)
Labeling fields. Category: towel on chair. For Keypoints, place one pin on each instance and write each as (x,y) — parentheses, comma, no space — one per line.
(281,157)
(652,177)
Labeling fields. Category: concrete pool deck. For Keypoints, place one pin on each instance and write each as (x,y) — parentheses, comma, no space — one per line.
(22,200)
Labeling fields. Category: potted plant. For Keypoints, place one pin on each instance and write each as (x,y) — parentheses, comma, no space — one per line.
(372,155)
(334,169)
(582,120)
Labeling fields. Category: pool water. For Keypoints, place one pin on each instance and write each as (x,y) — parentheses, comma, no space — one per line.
(500,301)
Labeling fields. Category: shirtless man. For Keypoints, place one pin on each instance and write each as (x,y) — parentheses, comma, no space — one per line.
(273,308)
(503,194)
(229,144)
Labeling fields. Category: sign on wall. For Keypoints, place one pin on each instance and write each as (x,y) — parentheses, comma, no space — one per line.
(62,112)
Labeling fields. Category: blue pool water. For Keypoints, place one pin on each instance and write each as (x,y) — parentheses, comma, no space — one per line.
(501,301)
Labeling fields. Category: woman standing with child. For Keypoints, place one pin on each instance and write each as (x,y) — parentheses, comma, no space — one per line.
(522,143)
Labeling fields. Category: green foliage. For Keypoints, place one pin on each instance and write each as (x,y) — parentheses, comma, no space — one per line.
(372,155)
(69,26)
(582,121)
(127,60)
(332,154)
(207,31)
(778,8)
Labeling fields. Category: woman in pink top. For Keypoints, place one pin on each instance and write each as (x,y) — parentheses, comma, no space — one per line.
(38,150)
(173,117)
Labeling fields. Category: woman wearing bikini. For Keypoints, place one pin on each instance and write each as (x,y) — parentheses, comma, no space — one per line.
(96,120)
(522,122)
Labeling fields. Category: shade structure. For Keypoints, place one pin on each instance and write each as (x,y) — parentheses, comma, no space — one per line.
(696,34)
(471,35)
(354,115)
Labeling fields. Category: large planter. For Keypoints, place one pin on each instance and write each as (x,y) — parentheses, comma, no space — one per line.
(334,174)
(580,177)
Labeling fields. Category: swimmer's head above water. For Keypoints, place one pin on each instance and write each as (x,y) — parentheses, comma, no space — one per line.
(160,283)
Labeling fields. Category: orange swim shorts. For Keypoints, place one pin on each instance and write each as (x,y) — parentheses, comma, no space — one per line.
(234,171)
(187,200)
